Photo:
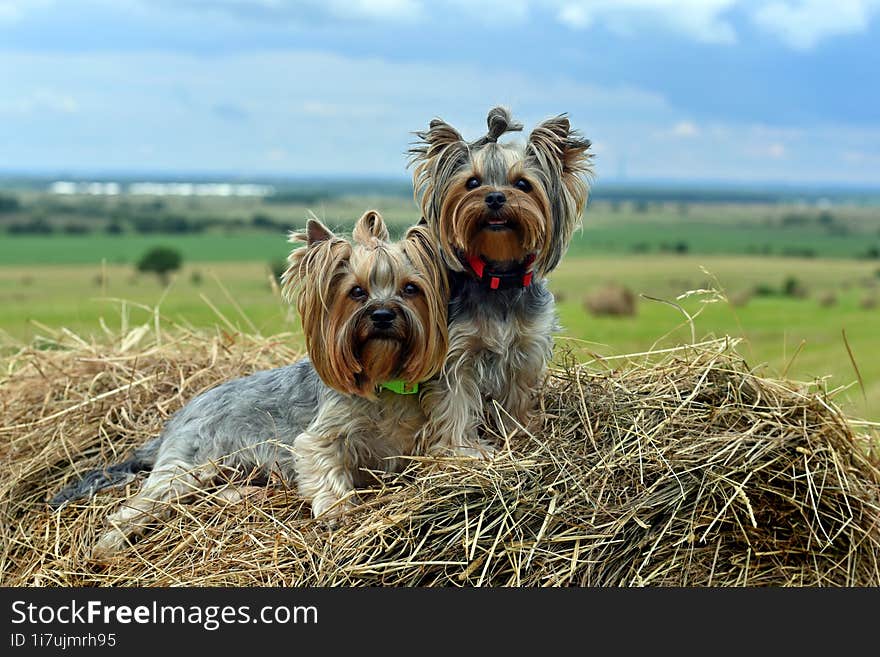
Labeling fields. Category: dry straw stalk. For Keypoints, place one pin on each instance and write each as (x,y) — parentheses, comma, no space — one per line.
(678,468)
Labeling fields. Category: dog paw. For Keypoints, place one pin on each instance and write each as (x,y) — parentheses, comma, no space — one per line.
(484,453)
(241,494)
(108,545)
(478,449)
(330,512)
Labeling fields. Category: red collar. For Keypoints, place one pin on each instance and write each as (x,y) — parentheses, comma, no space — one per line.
(519,277)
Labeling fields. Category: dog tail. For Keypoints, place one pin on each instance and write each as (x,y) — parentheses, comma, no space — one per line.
(142,459)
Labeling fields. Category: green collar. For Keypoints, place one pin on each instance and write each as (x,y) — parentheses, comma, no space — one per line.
(400,387)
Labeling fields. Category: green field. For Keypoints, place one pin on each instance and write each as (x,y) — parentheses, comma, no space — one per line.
(777,261)
(249,245)
(210,229)
(240,296)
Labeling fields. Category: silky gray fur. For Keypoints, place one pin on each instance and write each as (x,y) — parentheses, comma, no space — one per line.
(247,423)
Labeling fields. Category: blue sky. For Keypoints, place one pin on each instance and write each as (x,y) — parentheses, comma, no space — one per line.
(712,90)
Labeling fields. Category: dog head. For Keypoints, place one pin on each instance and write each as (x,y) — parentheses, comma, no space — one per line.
(502,203)
(371,310)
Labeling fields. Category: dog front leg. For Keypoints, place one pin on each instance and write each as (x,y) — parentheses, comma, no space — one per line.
(322,474)
(522,375)
(454,409)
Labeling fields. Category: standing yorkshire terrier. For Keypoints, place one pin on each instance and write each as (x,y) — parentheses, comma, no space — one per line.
(374,318)
(503,216)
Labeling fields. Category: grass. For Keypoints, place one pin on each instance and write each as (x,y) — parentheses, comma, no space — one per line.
(92,249)
(629,238)
(795,337)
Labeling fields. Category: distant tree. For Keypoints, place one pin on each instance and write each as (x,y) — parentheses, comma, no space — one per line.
(160,260)
(9,203)
(764,290)
(113,228)
(76,229)
(263,222)
(792,287)
(36,226)
(146,224)
(794,219)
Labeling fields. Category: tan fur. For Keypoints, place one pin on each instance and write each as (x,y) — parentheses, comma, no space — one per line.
(499,341)
(463,230)
(365,428)
(322,274)
(555,159)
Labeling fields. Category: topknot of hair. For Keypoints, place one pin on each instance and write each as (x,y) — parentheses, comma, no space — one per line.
(499,121)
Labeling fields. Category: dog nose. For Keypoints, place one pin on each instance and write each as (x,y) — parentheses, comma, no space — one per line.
(382,316)
(495,200)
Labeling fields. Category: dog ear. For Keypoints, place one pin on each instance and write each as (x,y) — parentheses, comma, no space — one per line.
(435,159)
(439,135)
(422,251)
(370,228)
(440,143)
(316,232)
(320,252)
(553,141)
(563,156)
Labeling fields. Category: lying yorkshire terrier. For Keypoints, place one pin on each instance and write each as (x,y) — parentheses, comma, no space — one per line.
(502,216)
(374,317)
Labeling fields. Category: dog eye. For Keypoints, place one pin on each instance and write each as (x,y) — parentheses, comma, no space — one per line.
(411,289)
(523,184)
(473,182)
(358,293)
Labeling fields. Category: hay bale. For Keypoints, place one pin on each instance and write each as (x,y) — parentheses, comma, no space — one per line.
(792,287)
(686,469)
(741,298)
(611,301)
(868,302)
(828,299)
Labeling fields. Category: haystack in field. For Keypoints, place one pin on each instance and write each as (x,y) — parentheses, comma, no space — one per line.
(612,300)
(683,468)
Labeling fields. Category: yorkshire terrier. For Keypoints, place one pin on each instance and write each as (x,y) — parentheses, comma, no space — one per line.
(374,315)
(503,216)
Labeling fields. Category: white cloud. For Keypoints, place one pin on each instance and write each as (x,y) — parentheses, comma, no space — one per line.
(575,15)
(324,114)
(304,12)
(798,24)
(685,129)
(859,157)
(377,9)
(701,20)
(14,10)
(38,101)
(776,150)
(801,25)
